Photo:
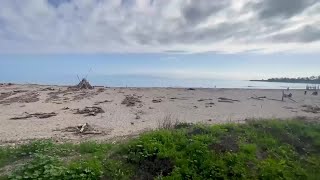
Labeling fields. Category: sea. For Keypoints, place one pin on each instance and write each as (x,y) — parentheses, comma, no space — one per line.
(150,81)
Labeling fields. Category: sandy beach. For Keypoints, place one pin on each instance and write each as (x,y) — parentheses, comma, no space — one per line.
(34,111)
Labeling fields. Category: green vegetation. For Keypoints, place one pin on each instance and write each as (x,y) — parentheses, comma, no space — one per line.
(310,80)
(270,149)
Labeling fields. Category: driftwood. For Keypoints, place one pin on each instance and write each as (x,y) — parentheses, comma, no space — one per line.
(82,129)
(20,91)
(21,117)
(47,89)
(131,100)
(260,98)
(179,98)
(256,98)
(157,100)
(210,103)
(90,111)
(101,102)
(292,100)
(274,99)
(227,100)
(315,93)
(200,100)
(4,95)
(25,98)
(290,108)
(37,115)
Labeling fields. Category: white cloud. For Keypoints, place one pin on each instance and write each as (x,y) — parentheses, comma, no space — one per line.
(226,26)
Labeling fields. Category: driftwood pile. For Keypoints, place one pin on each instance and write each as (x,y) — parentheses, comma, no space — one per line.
(227,100)
(37,115)
(131,100)
(47,89)
(101,102)
(259,98)
(83,84)
(4,95)
(25,98)
(82,129)
(210,104)
(90,111)
(157,100)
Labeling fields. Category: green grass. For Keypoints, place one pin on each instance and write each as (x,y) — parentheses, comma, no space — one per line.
(270,149)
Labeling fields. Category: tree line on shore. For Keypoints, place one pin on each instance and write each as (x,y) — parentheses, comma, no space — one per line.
(311,79)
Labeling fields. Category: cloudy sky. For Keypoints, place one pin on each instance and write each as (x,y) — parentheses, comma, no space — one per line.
(205,37)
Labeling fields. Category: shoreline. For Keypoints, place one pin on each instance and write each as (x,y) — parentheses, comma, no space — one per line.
(310,82)
(155,87)
(42,111)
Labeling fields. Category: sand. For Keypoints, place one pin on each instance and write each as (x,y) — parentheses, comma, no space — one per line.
(144,109)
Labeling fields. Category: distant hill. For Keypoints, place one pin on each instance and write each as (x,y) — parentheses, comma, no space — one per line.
(310,80)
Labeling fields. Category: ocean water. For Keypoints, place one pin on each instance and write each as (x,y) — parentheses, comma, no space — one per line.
(132,81)
(149,81)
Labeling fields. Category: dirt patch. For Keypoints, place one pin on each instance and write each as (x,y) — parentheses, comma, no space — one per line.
(89,111)
(311,109)
(131,100)
(25,98)
(37,115)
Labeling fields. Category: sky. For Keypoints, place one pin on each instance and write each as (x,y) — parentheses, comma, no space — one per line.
(189,39)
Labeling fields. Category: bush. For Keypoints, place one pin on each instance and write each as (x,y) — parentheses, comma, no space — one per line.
(255,150)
